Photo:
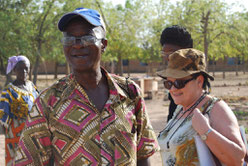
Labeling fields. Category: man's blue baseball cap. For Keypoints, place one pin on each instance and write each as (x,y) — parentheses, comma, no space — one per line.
(90,15)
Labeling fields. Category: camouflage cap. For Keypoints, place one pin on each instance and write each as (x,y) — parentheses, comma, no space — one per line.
(185,62)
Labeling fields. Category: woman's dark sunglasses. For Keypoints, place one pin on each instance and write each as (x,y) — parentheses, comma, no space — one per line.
(179,84)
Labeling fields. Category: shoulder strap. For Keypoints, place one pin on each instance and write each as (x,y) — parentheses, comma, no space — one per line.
(207,107)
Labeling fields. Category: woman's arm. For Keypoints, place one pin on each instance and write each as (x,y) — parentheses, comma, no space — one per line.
(224,140)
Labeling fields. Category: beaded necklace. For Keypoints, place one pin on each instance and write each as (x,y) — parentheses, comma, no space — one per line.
(175,120)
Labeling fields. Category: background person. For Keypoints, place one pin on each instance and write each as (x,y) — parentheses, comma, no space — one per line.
(172,39)
(15,103)
(90,117)
(188,82)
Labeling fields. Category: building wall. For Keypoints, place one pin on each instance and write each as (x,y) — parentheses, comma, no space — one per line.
(135,66)
(48,67)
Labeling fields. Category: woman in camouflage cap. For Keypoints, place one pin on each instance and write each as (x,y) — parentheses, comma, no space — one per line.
(198,113)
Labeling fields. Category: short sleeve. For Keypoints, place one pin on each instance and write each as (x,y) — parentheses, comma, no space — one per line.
(147,141)
(5,108)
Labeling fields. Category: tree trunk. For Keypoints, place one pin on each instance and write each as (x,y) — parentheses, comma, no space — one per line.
(206,49)
(30,72)
(41,32)
(67,68)
(56,70)
(2,66)
(128,69)
(120,66)
(237,69)
(37,62)
(214,68)
(243,65)
(205,19)
(112,67)
(147,70)
(244,68)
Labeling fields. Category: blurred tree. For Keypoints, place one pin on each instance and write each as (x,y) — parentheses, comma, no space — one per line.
(29,27)
(205,19)
(12,36)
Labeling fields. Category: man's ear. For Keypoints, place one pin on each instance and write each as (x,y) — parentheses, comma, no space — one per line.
(104,45)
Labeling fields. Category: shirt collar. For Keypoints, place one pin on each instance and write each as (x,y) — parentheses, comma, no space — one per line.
(113,84)
(114,88)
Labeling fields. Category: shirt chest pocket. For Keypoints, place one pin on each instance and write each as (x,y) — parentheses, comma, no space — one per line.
(126,119)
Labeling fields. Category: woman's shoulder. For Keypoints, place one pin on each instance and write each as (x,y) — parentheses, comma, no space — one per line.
(221,112)
(9,89)
(30,83)
(219,105)
(8,86)
(214,105)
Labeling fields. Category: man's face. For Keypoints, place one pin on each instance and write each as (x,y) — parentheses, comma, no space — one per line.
(82,54)
(168,49)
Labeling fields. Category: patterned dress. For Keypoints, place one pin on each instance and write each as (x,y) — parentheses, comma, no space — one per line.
(65,126)
(177,146)
(15,103)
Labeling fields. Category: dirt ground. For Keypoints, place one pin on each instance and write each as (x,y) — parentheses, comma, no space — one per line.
(233,89)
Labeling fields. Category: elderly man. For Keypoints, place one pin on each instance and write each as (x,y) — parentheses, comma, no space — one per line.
(90,117)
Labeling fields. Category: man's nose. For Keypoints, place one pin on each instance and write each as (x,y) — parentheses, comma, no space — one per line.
(78,44)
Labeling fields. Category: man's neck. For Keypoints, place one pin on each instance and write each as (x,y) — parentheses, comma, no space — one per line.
(89,79)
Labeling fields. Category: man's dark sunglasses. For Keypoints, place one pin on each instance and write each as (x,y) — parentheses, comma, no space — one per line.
(179,84)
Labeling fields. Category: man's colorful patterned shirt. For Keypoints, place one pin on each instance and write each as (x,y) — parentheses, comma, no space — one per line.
(64,125)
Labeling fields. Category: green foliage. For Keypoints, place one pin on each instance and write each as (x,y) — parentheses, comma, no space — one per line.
(241,115)
(29,27)
(12,40)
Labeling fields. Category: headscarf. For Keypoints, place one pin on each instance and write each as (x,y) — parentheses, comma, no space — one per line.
(14,60)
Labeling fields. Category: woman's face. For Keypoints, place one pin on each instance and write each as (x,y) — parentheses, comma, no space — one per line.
(21,70)
(188,94)
(168,49)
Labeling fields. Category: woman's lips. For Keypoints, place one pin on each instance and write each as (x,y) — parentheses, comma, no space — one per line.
(176,94)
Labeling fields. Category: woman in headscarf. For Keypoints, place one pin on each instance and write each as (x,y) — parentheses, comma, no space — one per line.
(15,102)
(198,113)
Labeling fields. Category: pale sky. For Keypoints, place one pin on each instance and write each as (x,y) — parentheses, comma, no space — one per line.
(235,8)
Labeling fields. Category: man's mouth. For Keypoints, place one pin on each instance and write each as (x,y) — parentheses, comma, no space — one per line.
(82,53)
(80,56)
